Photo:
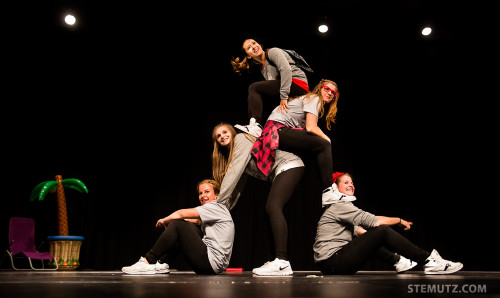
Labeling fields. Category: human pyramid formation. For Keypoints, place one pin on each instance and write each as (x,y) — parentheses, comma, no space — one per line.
(346,237)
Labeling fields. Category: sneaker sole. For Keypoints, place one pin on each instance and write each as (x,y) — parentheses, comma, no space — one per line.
(286,273)
(140,272)
(274,274)
(458,268)
(166,271)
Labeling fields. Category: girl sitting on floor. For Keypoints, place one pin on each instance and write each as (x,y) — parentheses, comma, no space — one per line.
(207,251)
(336,251)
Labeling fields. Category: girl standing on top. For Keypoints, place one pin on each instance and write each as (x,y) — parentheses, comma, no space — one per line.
(283,79)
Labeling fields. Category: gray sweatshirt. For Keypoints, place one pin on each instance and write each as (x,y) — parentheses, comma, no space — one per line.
(336,228)
(285,70)
(218,234)
(242,165)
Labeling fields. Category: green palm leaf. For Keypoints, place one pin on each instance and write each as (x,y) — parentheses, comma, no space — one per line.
(41,190)
(75,184)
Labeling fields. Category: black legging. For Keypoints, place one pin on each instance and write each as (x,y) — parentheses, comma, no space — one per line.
(270,88)
(352,256)
(185,237)
(301,142)
(281,191)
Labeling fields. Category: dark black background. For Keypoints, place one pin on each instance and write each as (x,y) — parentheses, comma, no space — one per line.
(126,102)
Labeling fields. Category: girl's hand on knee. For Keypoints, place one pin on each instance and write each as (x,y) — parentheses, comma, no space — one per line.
(161,223)
(406,224)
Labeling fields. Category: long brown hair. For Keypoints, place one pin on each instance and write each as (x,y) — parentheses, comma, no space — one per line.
(221,156)
(332,111)
(239,64)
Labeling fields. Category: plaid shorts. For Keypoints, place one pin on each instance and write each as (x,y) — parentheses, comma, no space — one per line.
(264,148)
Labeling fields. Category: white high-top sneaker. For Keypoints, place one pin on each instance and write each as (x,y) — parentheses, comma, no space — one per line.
(328,197)
(437,265)
(404,264)
(254,128)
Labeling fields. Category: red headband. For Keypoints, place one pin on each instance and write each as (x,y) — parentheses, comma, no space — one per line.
(336,175)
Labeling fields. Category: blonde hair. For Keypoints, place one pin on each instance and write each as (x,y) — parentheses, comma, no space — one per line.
(332,111)
(215,185)
(221,156)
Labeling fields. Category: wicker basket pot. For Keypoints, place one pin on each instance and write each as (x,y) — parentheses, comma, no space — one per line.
(66,250)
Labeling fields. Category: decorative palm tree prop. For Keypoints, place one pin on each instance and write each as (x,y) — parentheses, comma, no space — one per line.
(42,189)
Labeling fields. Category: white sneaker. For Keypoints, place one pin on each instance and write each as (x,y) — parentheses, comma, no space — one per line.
(275,268)
(331,195)
(404,264)
(328,197)
(161,268)
(261,267)
(141,267)
(253,128)
(437,265)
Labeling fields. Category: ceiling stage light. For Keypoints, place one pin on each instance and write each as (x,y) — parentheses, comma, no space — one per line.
(426,31)
(70,20)
(323,28)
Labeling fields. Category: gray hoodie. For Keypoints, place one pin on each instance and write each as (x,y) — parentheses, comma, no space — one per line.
(337,226)
(284,70)
(242,165)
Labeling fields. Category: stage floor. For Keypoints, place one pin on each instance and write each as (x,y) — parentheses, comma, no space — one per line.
(242,284)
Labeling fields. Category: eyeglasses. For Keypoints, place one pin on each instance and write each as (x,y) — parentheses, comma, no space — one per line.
(328,89)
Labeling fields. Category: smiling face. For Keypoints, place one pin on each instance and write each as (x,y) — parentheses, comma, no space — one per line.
(223,136)
(206,193)
(345,185)
(328,92)
(252,48)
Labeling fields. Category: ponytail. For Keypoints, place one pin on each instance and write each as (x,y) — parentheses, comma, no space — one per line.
(238,66)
